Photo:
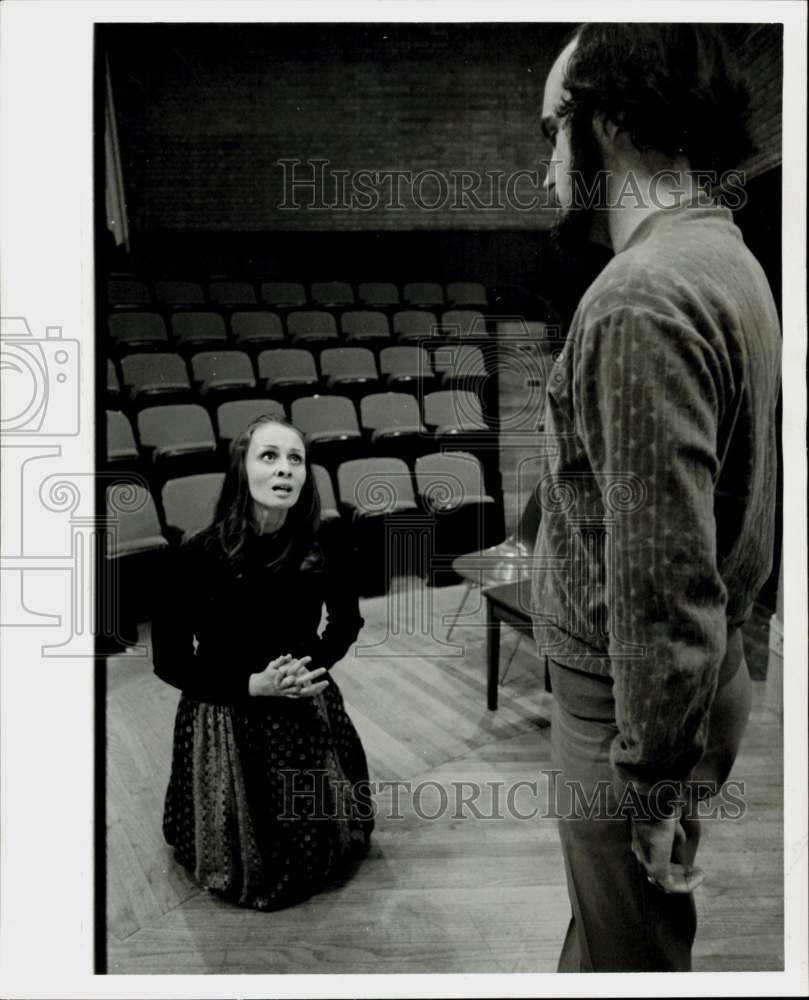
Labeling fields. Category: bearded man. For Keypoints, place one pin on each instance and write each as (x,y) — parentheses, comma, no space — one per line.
(658,493)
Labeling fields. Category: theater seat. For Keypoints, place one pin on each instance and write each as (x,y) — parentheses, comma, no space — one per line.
(233,417)
(137,331)
(189,502)
(426,294)
(466,293)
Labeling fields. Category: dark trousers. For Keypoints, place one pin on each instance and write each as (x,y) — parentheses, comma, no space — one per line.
(621,922)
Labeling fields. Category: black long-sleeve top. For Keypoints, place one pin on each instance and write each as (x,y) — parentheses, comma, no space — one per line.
(220,620)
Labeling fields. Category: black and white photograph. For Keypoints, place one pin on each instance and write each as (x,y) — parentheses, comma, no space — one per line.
(404,455)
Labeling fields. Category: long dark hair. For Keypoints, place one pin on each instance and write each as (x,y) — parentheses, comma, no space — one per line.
(673,87)
(234,523)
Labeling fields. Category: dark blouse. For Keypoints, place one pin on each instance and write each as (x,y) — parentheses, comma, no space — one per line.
(245,614)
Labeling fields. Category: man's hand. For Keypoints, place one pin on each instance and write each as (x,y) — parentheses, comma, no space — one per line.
(287,677)
(655,842)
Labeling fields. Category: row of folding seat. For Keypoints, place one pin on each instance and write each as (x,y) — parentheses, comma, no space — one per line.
(163,433)
(140,379)
(373,497)
(142,330)
(126,292)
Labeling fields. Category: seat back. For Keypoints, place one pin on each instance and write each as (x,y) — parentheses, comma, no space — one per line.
(423,293)
(447,479)
(133,515)
(305,323)
(453,408)
(413,361)
(184,424)
(179,293)
(466,293)
(233,417)
(198,327)
(412,323)
(232,293)
(371,323)
(384,410)
(141,371)
(459,360)
(378,293)
(289,361)
(121,445)
(316,414)
(331,293)
(463,323)
(138,328)
(351,362)
(328,502)
(127,292)
(375,485)
(215,365)
(189,503)
(248,327)
(283,294)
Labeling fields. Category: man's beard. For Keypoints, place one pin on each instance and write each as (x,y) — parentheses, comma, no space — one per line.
(571,234)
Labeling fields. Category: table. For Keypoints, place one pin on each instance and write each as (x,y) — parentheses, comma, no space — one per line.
(509,603)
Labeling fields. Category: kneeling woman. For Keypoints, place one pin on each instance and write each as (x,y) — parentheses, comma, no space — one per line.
(267,800)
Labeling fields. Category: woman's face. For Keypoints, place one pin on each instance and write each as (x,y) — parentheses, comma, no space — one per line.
(275,466)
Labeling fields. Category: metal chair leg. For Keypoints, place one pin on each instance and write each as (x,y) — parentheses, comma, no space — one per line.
(461,606)
(520,638)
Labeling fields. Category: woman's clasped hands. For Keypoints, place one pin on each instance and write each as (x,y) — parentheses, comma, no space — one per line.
(288,677)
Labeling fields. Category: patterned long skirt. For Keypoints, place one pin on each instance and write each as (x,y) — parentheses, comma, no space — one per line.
(267,804)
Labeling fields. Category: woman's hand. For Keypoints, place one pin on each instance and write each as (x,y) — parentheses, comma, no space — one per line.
(287,677)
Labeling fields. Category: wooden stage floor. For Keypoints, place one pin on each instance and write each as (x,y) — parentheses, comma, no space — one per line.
(455,894)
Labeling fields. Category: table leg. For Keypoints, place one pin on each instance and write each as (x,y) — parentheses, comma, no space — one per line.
(492,655)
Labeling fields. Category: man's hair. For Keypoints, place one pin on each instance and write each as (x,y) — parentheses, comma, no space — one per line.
(672,87)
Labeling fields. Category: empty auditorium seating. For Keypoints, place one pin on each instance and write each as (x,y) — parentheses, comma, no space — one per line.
(113,387)
(311,327)
(330,423)
(288,373)
(463,323)
(283,294)
(466,293)
(137,331)
(177,439)
(386,526)
(332,294)
(393,421)
(135,549)
(413,326)
(406,368)
(349,370)
(369,325)
(460,366)
(448,411)
(232,417)
(133,521)
(179,294)
(122,449)
(197,330)
(127,293)
(147,376)
(223,373)
(425,294)
(378,294)
(189,502)
(257,329)
(325,489)
(232,294)
(463,517)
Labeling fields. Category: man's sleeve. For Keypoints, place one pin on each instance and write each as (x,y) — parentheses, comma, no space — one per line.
(647,398)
